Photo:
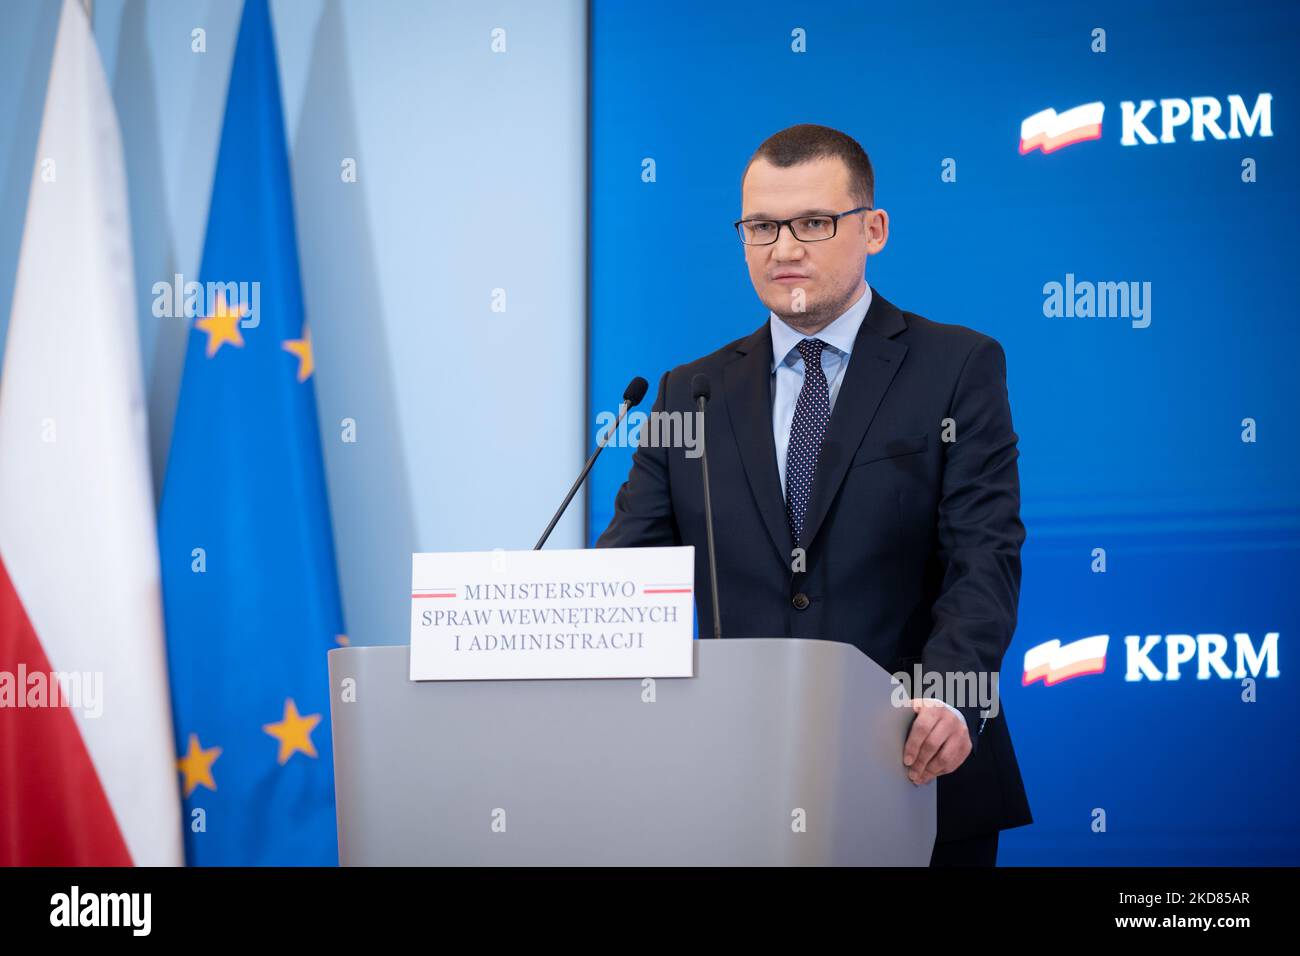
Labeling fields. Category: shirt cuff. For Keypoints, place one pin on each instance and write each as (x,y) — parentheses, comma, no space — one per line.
(940,700)
(953,709)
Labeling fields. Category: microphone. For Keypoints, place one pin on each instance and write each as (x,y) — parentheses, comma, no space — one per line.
(700,391)
(632,396)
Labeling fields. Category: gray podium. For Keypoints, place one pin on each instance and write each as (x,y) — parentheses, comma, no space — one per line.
(718,769)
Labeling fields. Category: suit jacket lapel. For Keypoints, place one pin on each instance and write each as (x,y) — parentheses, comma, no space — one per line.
(873,364)
(747,387)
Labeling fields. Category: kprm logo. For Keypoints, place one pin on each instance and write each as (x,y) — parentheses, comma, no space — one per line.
(1052,662)
(1049,131)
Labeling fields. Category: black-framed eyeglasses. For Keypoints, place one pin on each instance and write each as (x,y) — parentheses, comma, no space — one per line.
(764,232)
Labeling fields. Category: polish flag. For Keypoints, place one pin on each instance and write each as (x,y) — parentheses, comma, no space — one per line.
(1053,662)
(1049,131)
(87,766)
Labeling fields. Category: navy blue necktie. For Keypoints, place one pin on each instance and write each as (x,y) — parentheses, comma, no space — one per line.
(811,413)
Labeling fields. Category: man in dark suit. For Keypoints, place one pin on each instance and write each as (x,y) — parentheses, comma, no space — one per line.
(863,474)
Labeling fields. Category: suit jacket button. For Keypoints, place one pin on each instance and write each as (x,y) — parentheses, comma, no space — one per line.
(800,601)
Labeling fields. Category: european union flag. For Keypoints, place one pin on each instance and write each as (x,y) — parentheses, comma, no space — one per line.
(249,581)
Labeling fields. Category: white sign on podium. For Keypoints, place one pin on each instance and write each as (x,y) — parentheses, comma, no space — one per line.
(520,615)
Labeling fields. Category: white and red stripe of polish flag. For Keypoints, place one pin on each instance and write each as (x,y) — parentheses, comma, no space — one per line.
(79,578)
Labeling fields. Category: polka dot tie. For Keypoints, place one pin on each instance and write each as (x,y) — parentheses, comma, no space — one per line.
(811,413)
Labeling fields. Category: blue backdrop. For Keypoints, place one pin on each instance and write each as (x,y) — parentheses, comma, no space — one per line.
(1131,437)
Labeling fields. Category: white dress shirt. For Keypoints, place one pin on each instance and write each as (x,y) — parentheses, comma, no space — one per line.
(787,368)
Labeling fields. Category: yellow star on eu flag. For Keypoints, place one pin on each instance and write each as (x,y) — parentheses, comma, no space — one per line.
(293,732)
(302,348)
(222,325)
(197,766)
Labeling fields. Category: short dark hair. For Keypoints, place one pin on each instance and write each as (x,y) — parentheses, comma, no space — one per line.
(808,141)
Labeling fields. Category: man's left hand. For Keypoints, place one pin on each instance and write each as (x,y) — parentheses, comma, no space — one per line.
(938,742)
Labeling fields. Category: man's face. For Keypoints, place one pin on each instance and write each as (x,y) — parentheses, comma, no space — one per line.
(809,284)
